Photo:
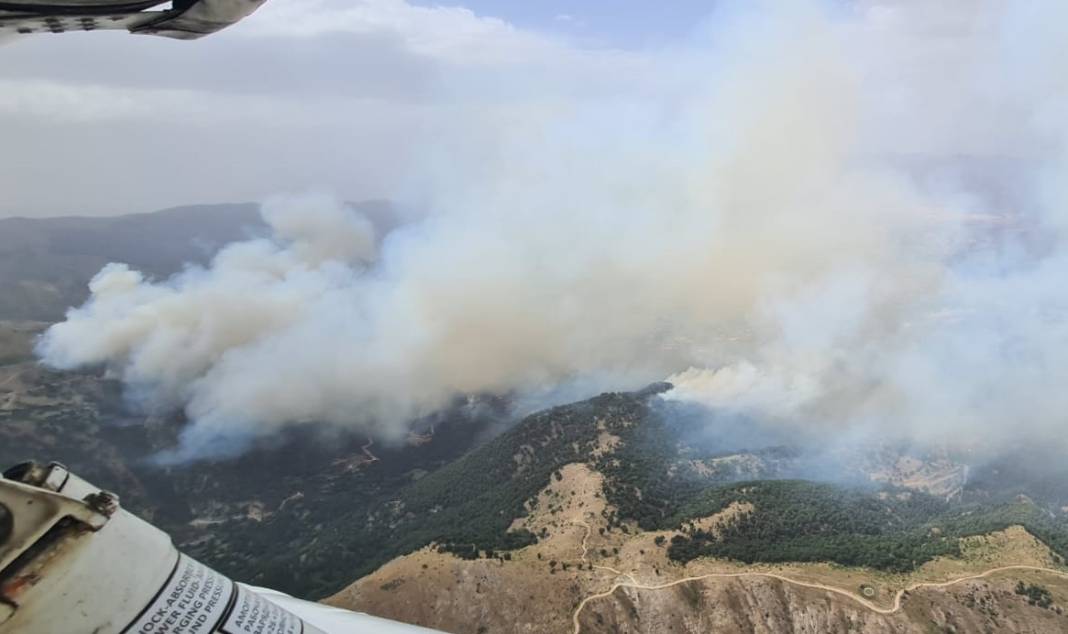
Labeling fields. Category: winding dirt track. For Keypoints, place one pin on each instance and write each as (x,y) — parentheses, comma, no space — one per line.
(367,451)
(632,583)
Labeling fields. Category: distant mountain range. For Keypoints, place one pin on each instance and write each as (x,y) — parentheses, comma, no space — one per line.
(46,263)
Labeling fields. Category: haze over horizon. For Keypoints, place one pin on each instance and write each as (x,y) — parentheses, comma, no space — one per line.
(324,94)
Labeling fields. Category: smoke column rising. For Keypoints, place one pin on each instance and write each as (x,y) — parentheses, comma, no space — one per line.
(827,217)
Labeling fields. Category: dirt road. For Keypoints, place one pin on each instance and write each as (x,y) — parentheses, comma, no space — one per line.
(632,583)
(367,451)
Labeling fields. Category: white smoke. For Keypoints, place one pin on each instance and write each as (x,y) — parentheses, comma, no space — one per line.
(832,215)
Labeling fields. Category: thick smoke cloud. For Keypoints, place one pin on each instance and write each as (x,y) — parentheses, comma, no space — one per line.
(837,217)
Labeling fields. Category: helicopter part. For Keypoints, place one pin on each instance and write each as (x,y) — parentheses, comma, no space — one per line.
(73,560)
(178,19)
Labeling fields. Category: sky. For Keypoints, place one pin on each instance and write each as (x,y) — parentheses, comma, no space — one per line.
(341,96)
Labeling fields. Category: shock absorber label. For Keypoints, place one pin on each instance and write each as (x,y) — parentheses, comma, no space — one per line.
(253,614)
(192,601)
(197,600)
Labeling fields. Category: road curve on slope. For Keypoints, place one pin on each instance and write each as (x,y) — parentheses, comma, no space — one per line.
(806,584)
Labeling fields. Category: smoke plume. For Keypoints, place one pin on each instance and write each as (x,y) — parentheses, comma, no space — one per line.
(831,217)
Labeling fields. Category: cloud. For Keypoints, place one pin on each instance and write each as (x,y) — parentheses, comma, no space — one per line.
(453,34)
(344,86)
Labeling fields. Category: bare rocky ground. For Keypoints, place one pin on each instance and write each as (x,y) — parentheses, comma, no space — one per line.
(582,577)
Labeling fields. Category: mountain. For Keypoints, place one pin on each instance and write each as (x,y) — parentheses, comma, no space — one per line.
(46,263)
(612,515)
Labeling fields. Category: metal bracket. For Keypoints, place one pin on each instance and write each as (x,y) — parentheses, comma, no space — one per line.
(32,514)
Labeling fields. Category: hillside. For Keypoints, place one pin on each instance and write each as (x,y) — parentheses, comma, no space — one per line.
(250,516)
(585,577)
(234,514)
(655,480)
(605,502)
